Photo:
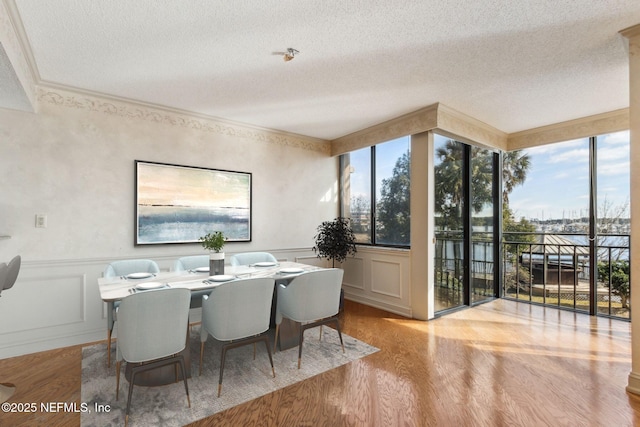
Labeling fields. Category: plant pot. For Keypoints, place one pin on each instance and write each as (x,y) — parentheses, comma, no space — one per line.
(216,263)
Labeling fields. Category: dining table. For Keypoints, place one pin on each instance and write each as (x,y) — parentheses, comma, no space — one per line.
(200,283)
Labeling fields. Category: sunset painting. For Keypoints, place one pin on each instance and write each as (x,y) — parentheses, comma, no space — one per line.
(179,204)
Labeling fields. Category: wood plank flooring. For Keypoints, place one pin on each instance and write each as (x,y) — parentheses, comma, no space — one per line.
(500,364)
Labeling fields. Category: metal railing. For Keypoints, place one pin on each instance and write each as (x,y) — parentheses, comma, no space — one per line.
(534,270)
(559,273)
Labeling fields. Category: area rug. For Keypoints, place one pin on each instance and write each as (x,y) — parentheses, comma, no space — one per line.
(244,379)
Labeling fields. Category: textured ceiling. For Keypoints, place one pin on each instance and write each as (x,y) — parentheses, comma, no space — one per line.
(514,65)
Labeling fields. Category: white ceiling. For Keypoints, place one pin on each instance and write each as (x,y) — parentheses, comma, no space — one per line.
(514,65)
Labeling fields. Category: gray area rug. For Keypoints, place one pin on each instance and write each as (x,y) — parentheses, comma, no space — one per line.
(244,379)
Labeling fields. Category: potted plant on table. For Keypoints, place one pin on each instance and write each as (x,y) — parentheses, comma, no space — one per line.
(214,242)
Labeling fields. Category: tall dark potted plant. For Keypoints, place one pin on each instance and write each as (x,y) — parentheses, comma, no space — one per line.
(335,240)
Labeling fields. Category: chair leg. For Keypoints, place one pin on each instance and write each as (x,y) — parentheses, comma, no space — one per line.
(339,333)
(180,363)
(275,344)
(117,378)
(300,338)
(266,344)
(109,332)
(201,354)
(131,383)
(223,356)
(320,339)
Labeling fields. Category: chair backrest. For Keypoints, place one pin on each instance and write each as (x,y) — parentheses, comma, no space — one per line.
(129,266)
(191,262)
(238,309)
(4,272)
(152,324)
(12,274)
(310,296)
(251,258)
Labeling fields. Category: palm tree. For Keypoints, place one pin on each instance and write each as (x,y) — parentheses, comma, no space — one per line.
(515,165)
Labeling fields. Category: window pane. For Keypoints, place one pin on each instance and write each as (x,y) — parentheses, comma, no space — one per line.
(393,160)
(546,225)
(449,232)
(613,222)
(482,198)
(357,192)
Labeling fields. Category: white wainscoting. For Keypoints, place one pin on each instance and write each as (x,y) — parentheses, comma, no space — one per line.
(379,277)
(57,304)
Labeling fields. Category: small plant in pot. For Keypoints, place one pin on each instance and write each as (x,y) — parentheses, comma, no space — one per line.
(214,242)
(335,240)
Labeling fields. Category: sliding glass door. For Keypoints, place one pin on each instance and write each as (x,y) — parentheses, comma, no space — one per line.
(449,224)
(482,225)
(465,191)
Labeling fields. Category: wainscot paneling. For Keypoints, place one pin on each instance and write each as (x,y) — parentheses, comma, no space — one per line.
(354,273)
(379,277)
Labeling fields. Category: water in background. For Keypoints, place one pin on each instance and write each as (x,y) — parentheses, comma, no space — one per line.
(172,224)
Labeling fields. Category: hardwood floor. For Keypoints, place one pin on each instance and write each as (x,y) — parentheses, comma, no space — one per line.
(500,364)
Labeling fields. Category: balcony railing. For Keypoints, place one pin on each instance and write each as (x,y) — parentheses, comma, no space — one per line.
(552,269)
(541,268)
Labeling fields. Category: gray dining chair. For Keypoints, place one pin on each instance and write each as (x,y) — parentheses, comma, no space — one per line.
(120,269)
(152,332)
(187,263)
(8,276)
(129,266)
(4,273)
(238,314)
(248,258)
(12,275)
(311,299)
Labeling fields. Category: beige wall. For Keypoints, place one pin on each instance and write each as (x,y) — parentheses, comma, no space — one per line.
(74,162)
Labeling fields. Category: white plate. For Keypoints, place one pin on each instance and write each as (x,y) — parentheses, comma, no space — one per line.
(149,285)
(139,275)
(222,278)
(291,270)
(265,264)
(202,269)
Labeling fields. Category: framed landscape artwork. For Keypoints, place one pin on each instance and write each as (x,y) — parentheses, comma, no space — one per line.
(179,204)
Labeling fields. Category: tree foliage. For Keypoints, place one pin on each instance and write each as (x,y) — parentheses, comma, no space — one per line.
(393,208)
(616,273)
(449,180)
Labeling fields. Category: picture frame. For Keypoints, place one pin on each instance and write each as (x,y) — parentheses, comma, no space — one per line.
(179,204)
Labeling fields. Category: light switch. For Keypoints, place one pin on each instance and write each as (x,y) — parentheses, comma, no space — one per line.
(41,221)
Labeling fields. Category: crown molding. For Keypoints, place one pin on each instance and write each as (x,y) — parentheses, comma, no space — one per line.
(48,93)
(468,129)
(13,39)
(433,117)
(631,32)
(408,124)
(613,121)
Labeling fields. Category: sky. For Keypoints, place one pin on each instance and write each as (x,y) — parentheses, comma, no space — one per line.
(557,185)
(387,154)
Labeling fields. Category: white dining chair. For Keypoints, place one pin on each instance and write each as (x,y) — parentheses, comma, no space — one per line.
(4,273)
(122,269)
(248,258)
(129,266)
(8,276)
(152,332)
(187,263)
(238,314)
(311,299)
